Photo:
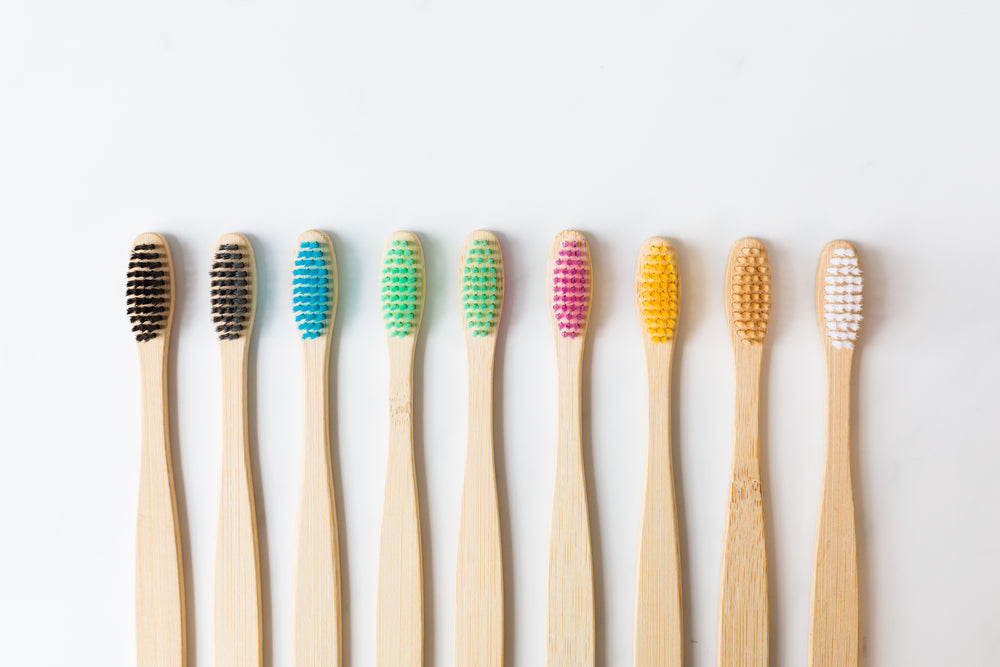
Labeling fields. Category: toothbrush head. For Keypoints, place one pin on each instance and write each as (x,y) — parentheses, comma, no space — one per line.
(657,290)
(748,291)
(839,283)
(314,286)
(232,282)
(402,285)
(570,284)
(481,284)
(149,288)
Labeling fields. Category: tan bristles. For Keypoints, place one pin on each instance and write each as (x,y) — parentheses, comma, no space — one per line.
(657,289)
(748,296)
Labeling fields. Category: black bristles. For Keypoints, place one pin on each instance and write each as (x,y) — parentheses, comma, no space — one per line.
(230,285)
(146,290)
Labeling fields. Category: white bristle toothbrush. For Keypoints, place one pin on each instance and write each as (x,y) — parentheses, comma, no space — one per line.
(743,616)
(479,579)
(238,626)
(570,614)
(834,627)
(316,610)
(658,614)
(399,631)
(159,580)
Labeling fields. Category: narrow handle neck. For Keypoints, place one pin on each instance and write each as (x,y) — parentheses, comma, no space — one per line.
(480,356)
(747,431)
(569,357)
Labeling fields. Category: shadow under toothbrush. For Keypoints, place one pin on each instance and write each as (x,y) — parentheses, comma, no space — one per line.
(263,302)
(180,289)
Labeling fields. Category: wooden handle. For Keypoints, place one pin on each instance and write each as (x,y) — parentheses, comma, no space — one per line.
(833,633)
(743,622)
(570,619)
(238,628)
(317,618)
(479,581)
(160,627)
(659,638)
(399,624)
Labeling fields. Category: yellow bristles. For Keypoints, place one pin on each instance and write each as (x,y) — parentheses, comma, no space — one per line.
(657,290)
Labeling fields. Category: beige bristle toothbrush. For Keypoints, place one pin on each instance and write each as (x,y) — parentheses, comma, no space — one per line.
(399,627)
(317,623)
(479,578)
(570,614)
(159,577)
(834,627)
(658,615)
(238,627)
(743,619)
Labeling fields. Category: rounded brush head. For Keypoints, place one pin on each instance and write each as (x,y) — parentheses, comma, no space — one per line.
(839,283)
(658,290)
(149,288)
(570,283)
(402,284)
(232,280)
(314,286)
(748,291)
(481,284)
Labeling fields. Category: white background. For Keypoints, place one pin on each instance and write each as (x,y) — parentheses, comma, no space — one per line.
(798,122)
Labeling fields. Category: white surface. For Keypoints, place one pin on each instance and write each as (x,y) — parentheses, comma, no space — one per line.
(795,122)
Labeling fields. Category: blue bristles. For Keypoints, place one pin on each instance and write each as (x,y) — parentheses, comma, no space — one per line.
(311,290)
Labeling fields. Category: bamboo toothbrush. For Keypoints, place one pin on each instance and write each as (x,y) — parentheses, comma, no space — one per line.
(238,629)
(317,568)
(399,631)
(658,616)
(479,580)
(159,599)
(743,625)
(833,631)
(570,615)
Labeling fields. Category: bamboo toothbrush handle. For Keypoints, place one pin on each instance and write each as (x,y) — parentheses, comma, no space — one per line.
(399,628)
(317,569)
(479,583)
(659,628)
(743,615)
(159,579)
(570,617)
(833,633)
(238,634)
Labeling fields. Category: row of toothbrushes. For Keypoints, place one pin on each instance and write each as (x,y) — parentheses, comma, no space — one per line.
(743,617)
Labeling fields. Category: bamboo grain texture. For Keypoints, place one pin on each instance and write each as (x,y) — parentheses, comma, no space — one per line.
(834,625)
(479,607)
(317,605)
(160,611)
(238,620)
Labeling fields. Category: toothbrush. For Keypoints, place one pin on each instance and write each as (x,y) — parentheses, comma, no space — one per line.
(317,567)
(570,615)
(658,616)
(399,631)
(743,624)
(159,599)
(479,580)
(834,627)
(238,628)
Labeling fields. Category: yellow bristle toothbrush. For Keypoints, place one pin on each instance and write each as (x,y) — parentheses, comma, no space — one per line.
(479,579)
(399,631)
(317,567)
(238,627)
(159,590)
(834,628)
(570,614)
(658,615)
(743,620)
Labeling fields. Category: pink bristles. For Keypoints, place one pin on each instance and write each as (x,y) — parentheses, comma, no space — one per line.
(571,289)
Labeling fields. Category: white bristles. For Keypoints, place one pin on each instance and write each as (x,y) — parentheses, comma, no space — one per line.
(842,298)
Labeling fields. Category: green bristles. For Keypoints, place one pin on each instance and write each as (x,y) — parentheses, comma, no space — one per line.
(480,288)
(402,288)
